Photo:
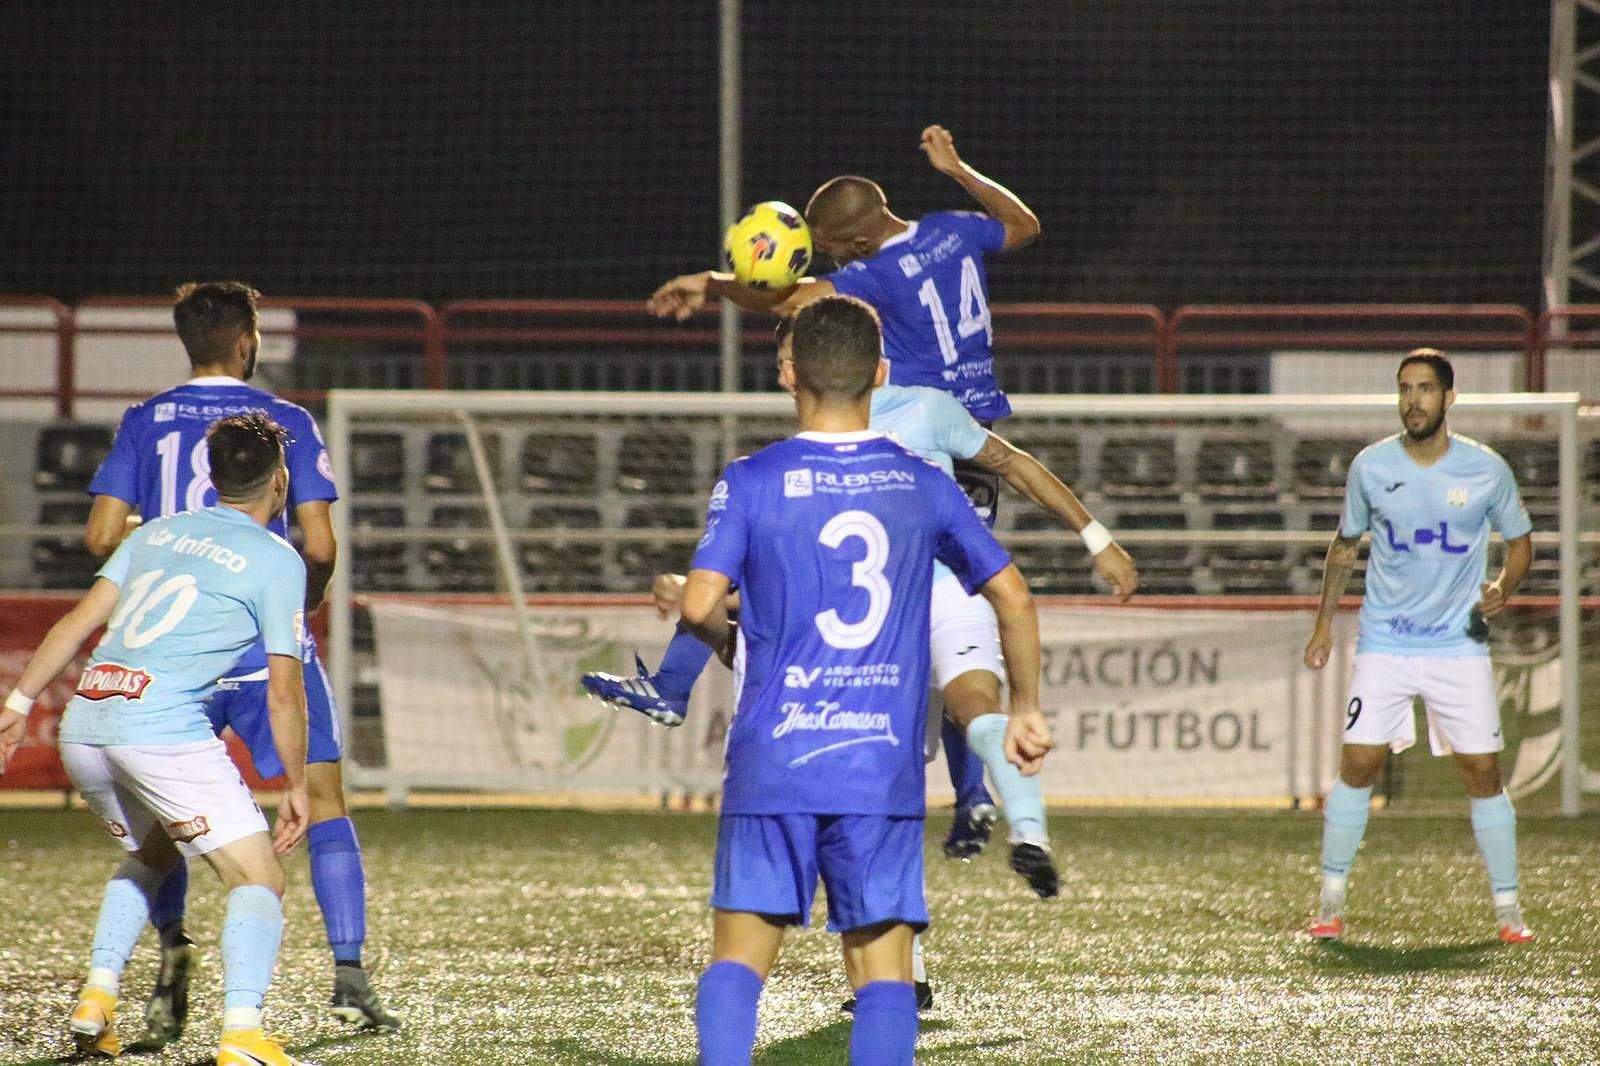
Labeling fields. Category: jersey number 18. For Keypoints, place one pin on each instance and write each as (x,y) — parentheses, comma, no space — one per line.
(194,497)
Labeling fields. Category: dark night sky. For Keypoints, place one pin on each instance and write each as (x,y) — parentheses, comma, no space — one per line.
(1232,150)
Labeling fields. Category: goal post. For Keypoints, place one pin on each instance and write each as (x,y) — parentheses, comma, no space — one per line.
(580,494)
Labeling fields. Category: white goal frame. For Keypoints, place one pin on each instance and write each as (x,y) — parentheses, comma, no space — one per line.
(345,405)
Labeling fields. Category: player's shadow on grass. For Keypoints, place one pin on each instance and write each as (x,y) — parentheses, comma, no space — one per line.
(1372,958)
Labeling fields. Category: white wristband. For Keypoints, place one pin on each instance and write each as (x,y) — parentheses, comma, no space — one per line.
(1095,538)
(19,703)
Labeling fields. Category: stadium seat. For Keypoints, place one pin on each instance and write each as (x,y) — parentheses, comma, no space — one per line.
(575,565)
(1059,453)
(1250,568)
(639,561)
(377,462)
(461,564)
(562,463)
(1321,465)
(1236,469)
(68,456)
(1144,467)
(1164,568)
(659,462)
(1535,463)
(378,567)
(1060,567)
(64,562)
(450,466)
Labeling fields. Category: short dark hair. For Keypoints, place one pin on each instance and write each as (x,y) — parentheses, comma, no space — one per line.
(837,346)
(245,450)
(211,316)
(781,331)
(1435,358)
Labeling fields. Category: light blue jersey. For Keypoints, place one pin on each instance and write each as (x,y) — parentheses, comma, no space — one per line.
(198,590)
(931,423)
(1430,535)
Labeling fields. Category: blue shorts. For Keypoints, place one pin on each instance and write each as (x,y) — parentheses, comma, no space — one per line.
(871,866)
(242,704)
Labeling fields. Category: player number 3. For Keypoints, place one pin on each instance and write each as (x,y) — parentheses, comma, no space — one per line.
(867,573)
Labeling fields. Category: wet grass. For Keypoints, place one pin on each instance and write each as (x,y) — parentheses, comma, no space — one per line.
(567,937)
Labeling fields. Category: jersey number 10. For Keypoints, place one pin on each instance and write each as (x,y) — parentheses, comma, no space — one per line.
(194,497)
(974,310)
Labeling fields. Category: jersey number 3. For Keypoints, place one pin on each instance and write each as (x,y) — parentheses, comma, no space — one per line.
(867,573)
(194,497)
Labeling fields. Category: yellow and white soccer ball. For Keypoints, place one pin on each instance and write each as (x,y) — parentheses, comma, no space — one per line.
(769,248)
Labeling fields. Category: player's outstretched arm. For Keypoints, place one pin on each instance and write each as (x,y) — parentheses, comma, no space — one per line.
(1027,732)
(1022,225)
(1495,594)
(59,647)
(1336,570)
(286,710)
(108,524)
(682,296)
(1034,480)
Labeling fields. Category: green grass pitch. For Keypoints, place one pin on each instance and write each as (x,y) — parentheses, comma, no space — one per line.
(568,937)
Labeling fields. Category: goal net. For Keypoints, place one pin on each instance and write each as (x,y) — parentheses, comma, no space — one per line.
(499,545)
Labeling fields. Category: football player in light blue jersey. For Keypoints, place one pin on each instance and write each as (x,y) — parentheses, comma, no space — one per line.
(831,537)
(1430,499)
(157,467)
(181,600)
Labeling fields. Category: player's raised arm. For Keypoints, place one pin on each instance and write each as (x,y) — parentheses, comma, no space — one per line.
(682,296)
(60,645)
(1005,206)
(1035,481)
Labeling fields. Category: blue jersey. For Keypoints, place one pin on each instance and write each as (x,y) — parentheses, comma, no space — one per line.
(160,466)
(931,423)
(831,539)
(930,288)
(198,590)
(1430,535)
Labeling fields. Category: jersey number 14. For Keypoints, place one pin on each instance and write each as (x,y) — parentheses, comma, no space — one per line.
(974,310)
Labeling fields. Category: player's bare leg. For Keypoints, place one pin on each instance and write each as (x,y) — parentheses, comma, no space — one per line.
(1494,825)
(972,702)
(1344,823)
(341,894)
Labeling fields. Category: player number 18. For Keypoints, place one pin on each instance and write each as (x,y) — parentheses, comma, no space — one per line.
(194,497)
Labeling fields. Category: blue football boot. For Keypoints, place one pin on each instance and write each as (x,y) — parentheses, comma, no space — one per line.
(637,693)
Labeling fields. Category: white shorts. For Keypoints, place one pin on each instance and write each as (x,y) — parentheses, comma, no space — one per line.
(963,633)
(1459,694)
(193,791)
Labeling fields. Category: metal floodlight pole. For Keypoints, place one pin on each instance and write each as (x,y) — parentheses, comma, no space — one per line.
(729,151)
(1558,154)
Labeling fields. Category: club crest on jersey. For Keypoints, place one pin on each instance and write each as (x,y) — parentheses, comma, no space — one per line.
(797,482)
(104,680)
(1457,496)
(193,829)
(910,265)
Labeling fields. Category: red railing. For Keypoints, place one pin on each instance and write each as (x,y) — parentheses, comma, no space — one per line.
(1132,328)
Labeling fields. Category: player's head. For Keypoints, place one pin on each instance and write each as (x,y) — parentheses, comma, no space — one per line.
(247,464)
(217,323)
(832,351)
(1427,387)
(847,216)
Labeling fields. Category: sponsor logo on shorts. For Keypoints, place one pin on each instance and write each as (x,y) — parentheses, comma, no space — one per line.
(116,829)
(193,829)
(105,680)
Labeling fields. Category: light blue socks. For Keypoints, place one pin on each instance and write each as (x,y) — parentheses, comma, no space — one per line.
(124,912)
(1022,797)
(1494,823)
(250,936)
(1344,823)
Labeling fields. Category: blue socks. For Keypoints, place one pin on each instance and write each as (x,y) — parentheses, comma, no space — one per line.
(685,659)
(1022,797)
(124,910)
(166,913)
(885,1028)
(1494,823)
(250,936)
(340,883)
(725,1013)
(1344,822)
(966,769)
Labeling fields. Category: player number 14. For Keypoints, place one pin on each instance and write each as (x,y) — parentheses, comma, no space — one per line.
(974,310)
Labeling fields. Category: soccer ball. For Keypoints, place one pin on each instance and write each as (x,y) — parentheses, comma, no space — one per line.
(769,248)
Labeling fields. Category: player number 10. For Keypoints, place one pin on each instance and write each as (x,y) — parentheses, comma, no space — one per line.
(974,310)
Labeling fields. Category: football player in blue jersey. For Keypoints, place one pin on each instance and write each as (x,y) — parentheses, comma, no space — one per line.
(158,467)
(831,537)
(928,282)
(181,600)
(1430,499)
